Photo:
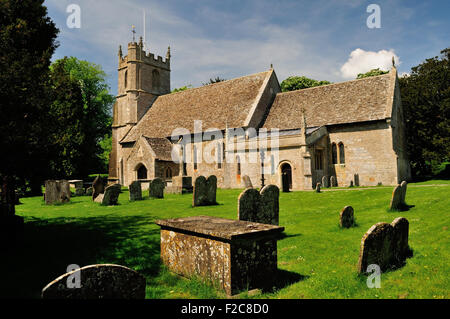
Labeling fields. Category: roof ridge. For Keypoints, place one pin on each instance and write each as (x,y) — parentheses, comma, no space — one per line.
(335,84)
(217,83)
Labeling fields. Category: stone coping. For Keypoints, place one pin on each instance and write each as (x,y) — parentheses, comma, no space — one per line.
(220,228)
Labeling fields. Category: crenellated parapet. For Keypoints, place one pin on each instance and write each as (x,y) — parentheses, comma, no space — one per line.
(136,53)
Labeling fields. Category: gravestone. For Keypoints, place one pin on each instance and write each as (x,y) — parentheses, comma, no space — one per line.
(98,187)
(78,185)
(356,178)
(404,186)
(211,190)
(135,191)
(247,181)
(401,234)
(396,200)
(111,195)
(57,192)
(385,245)
(347,218)
(157,188)
(98,282)
(259,207)
(333,182)
(318,187)
(351,184)
(325,181)
(204,191)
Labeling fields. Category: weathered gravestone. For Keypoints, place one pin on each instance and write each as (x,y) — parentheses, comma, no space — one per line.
(403,186)
(333,182)
(57,192)
(89,191)
(156,188)
(346,217)
(351,184)
(110,197)
(78,185)
(135,191)
(260,207)
(247,181)
(97,282)
(204,191)
(318,187)
(325,181)
(98,187)
(396,200)
(385,245)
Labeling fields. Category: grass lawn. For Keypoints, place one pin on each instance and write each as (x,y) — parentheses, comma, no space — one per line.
(316,259)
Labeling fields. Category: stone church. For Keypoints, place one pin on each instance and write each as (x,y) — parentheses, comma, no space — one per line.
(351,132)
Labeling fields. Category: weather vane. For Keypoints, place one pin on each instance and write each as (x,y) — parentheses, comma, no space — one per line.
(134,32)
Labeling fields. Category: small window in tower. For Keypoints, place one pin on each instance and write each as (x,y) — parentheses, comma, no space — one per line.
(126,79)
(155,79)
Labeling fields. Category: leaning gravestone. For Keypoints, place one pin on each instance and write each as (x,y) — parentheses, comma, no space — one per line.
(403,186)
(385,245)
(396,200)
(110,197)
(325,181)
(247,181)
(135,191)
(204,191)
(156,188)
(57,192)
(97,282)
(98,187)
(259,207)
(346,217)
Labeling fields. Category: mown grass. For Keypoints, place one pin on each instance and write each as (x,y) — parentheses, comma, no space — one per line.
(316,259)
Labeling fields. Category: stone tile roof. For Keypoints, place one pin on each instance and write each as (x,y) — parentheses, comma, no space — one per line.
(162,148)
(218,105)
(347,102)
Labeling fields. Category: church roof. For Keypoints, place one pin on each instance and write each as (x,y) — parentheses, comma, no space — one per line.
(220,105)
(347,102)
(162,148)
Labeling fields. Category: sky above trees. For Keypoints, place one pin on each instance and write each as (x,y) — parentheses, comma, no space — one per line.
(324,39)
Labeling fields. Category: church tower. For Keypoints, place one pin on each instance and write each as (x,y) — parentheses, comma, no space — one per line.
(142,77)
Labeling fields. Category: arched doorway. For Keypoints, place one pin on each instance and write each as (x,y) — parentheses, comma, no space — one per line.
(142,172)
(286,177)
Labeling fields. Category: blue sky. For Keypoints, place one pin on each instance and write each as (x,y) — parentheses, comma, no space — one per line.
(322,39)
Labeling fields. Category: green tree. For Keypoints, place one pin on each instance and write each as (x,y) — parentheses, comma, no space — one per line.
(97,110)
(373,72)
(294,83)
(183,88)
(425,97)
(216,80)
(66,132)
(27,42)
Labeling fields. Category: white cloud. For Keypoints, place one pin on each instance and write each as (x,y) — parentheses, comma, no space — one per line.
(361,61)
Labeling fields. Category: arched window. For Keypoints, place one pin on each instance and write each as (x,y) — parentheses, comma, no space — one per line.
(334,153)
(155,79)
(142,172)
(168,172)
(341,153)
(125,79)
(238,161)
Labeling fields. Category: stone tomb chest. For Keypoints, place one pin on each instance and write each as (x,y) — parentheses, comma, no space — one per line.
(237,255)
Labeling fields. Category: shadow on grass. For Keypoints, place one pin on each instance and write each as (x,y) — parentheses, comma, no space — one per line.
(283,235)
(283,279)
(49,246)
